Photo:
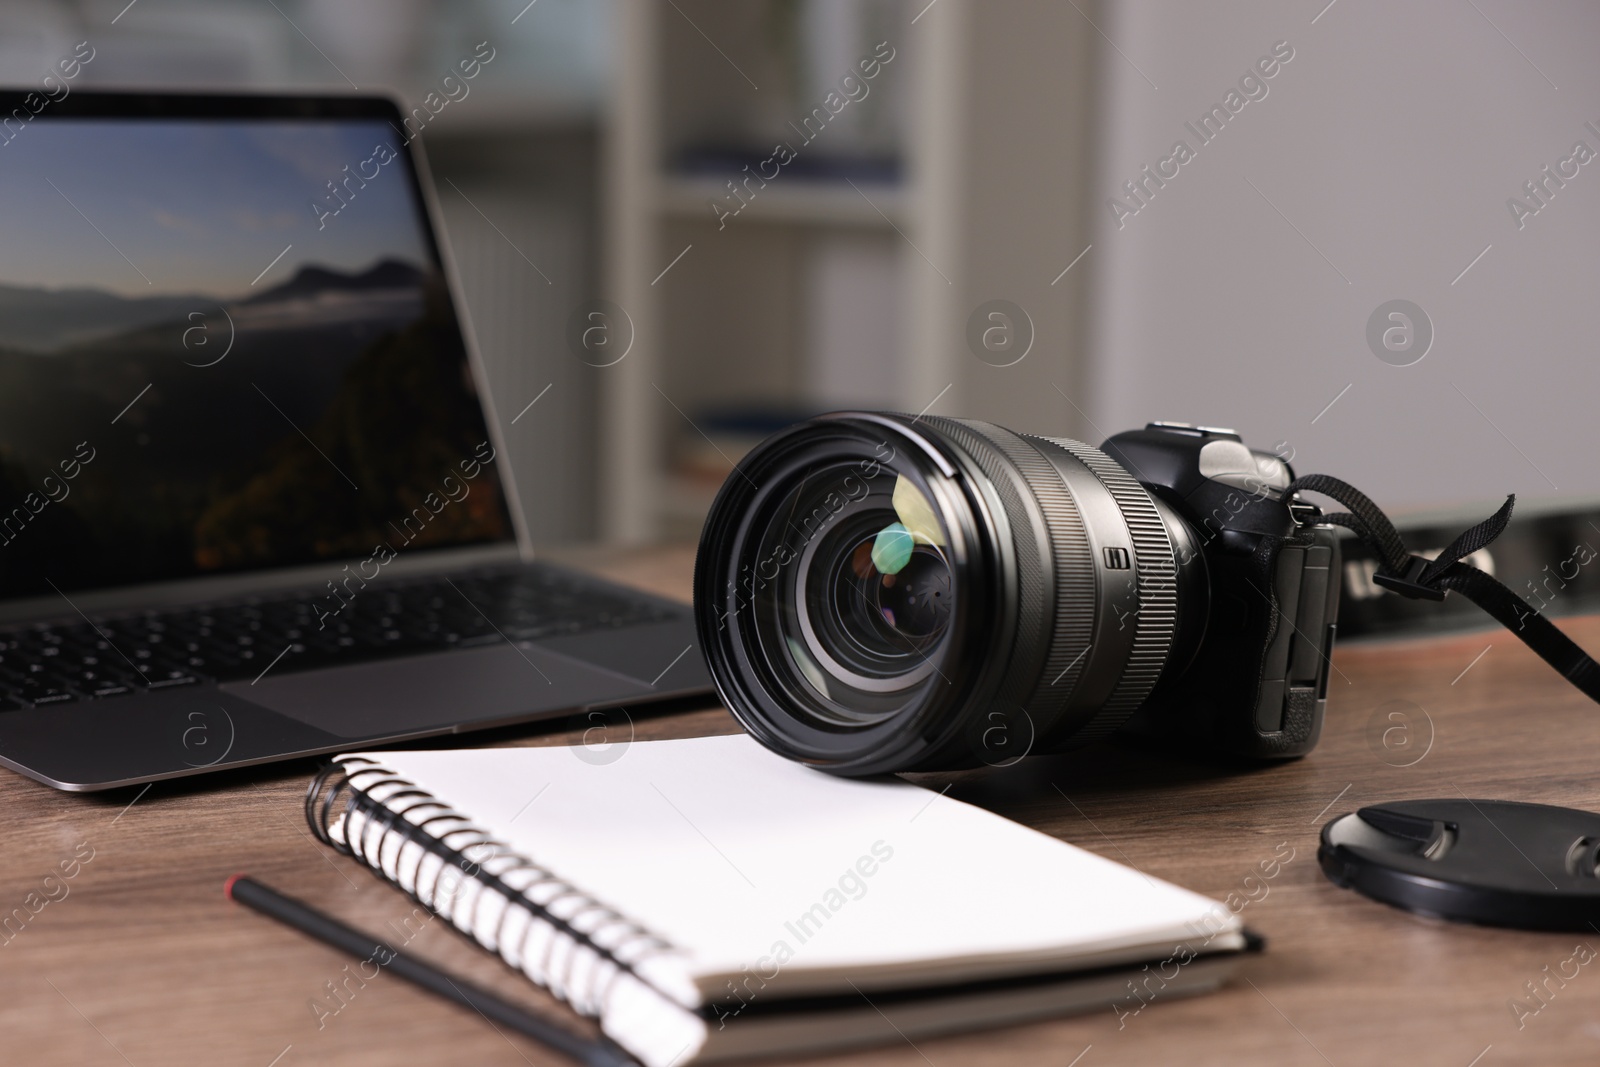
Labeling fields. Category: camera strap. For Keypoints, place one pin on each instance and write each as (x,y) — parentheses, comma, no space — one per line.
(1413,576)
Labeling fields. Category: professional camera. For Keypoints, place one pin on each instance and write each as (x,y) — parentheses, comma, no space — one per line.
(879,593)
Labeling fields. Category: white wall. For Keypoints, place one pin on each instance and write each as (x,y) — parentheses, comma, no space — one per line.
(1392,141)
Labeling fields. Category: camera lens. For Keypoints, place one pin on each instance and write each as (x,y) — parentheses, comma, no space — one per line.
(870,588)
(877,596)
(848,585)
(914,602)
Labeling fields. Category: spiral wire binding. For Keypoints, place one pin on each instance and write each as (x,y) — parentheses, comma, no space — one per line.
(633,946)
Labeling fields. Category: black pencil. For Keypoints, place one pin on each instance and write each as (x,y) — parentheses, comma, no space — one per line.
(330,931)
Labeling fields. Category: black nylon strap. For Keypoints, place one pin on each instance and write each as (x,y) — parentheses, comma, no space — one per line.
(1520,617)
(1365,518)
(1470,541)
(1414,577)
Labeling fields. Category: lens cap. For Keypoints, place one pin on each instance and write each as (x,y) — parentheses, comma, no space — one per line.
(1492,862)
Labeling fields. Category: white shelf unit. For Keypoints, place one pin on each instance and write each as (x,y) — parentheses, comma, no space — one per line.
(995,124)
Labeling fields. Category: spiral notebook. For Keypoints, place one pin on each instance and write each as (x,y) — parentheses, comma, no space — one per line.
(706,899)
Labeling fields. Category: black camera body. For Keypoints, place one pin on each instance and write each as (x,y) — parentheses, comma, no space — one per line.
(878,592)
(1257,685)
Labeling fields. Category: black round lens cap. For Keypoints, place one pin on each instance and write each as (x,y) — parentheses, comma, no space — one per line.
(1493,862)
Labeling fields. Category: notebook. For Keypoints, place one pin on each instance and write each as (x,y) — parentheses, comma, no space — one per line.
(705,899)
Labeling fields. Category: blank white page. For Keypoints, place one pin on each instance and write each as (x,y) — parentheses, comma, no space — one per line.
(745,859)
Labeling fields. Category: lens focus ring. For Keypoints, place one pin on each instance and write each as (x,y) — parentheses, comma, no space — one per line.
(1156,569)
(1033,586)
(1073,587)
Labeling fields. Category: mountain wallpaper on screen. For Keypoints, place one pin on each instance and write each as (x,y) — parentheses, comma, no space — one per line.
(343,400)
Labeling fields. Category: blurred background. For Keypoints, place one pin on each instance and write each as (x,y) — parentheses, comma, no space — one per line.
(695,220)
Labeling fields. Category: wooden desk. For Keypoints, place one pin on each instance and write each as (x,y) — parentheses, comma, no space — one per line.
(144,962)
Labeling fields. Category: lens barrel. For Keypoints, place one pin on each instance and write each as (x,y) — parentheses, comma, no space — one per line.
(879,593)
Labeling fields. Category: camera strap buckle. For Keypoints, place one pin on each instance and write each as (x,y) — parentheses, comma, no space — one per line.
(1410,583)
(1304,512)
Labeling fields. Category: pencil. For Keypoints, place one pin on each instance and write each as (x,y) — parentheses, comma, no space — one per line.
(330,931)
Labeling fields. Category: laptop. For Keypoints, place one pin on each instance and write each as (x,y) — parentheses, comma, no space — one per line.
(254,504)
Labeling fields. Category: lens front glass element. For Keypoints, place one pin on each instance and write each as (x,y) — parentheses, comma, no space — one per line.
(863,609)
(880,616)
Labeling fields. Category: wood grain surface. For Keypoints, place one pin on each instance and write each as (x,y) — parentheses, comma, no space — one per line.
(137,957)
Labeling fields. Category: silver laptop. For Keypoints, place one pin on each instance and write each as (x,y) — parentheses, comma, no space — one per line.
(253,502)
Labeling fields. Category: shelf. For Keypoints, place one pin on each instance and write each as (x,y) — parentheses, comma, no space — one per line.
(848,292)
(825,203)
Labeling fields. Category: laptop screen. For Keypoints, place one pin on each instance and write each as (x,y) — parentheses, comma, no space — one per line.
(226,344)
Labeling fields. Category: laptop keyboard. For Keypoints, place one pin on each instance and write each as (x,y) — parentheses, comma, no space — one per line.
(118,655)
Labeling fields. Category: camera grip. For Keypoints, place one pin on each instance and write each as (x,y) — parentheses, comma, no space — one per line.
(1258,686)
(1294,672)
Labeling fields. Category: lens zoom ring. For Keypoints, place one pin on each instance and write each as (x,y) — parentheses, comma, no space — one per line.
(1157,617)
(1030,632)
(1074,578)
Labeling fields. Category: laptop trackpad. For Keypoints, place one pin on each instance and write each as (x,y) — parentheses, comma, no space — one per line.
(424,693)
